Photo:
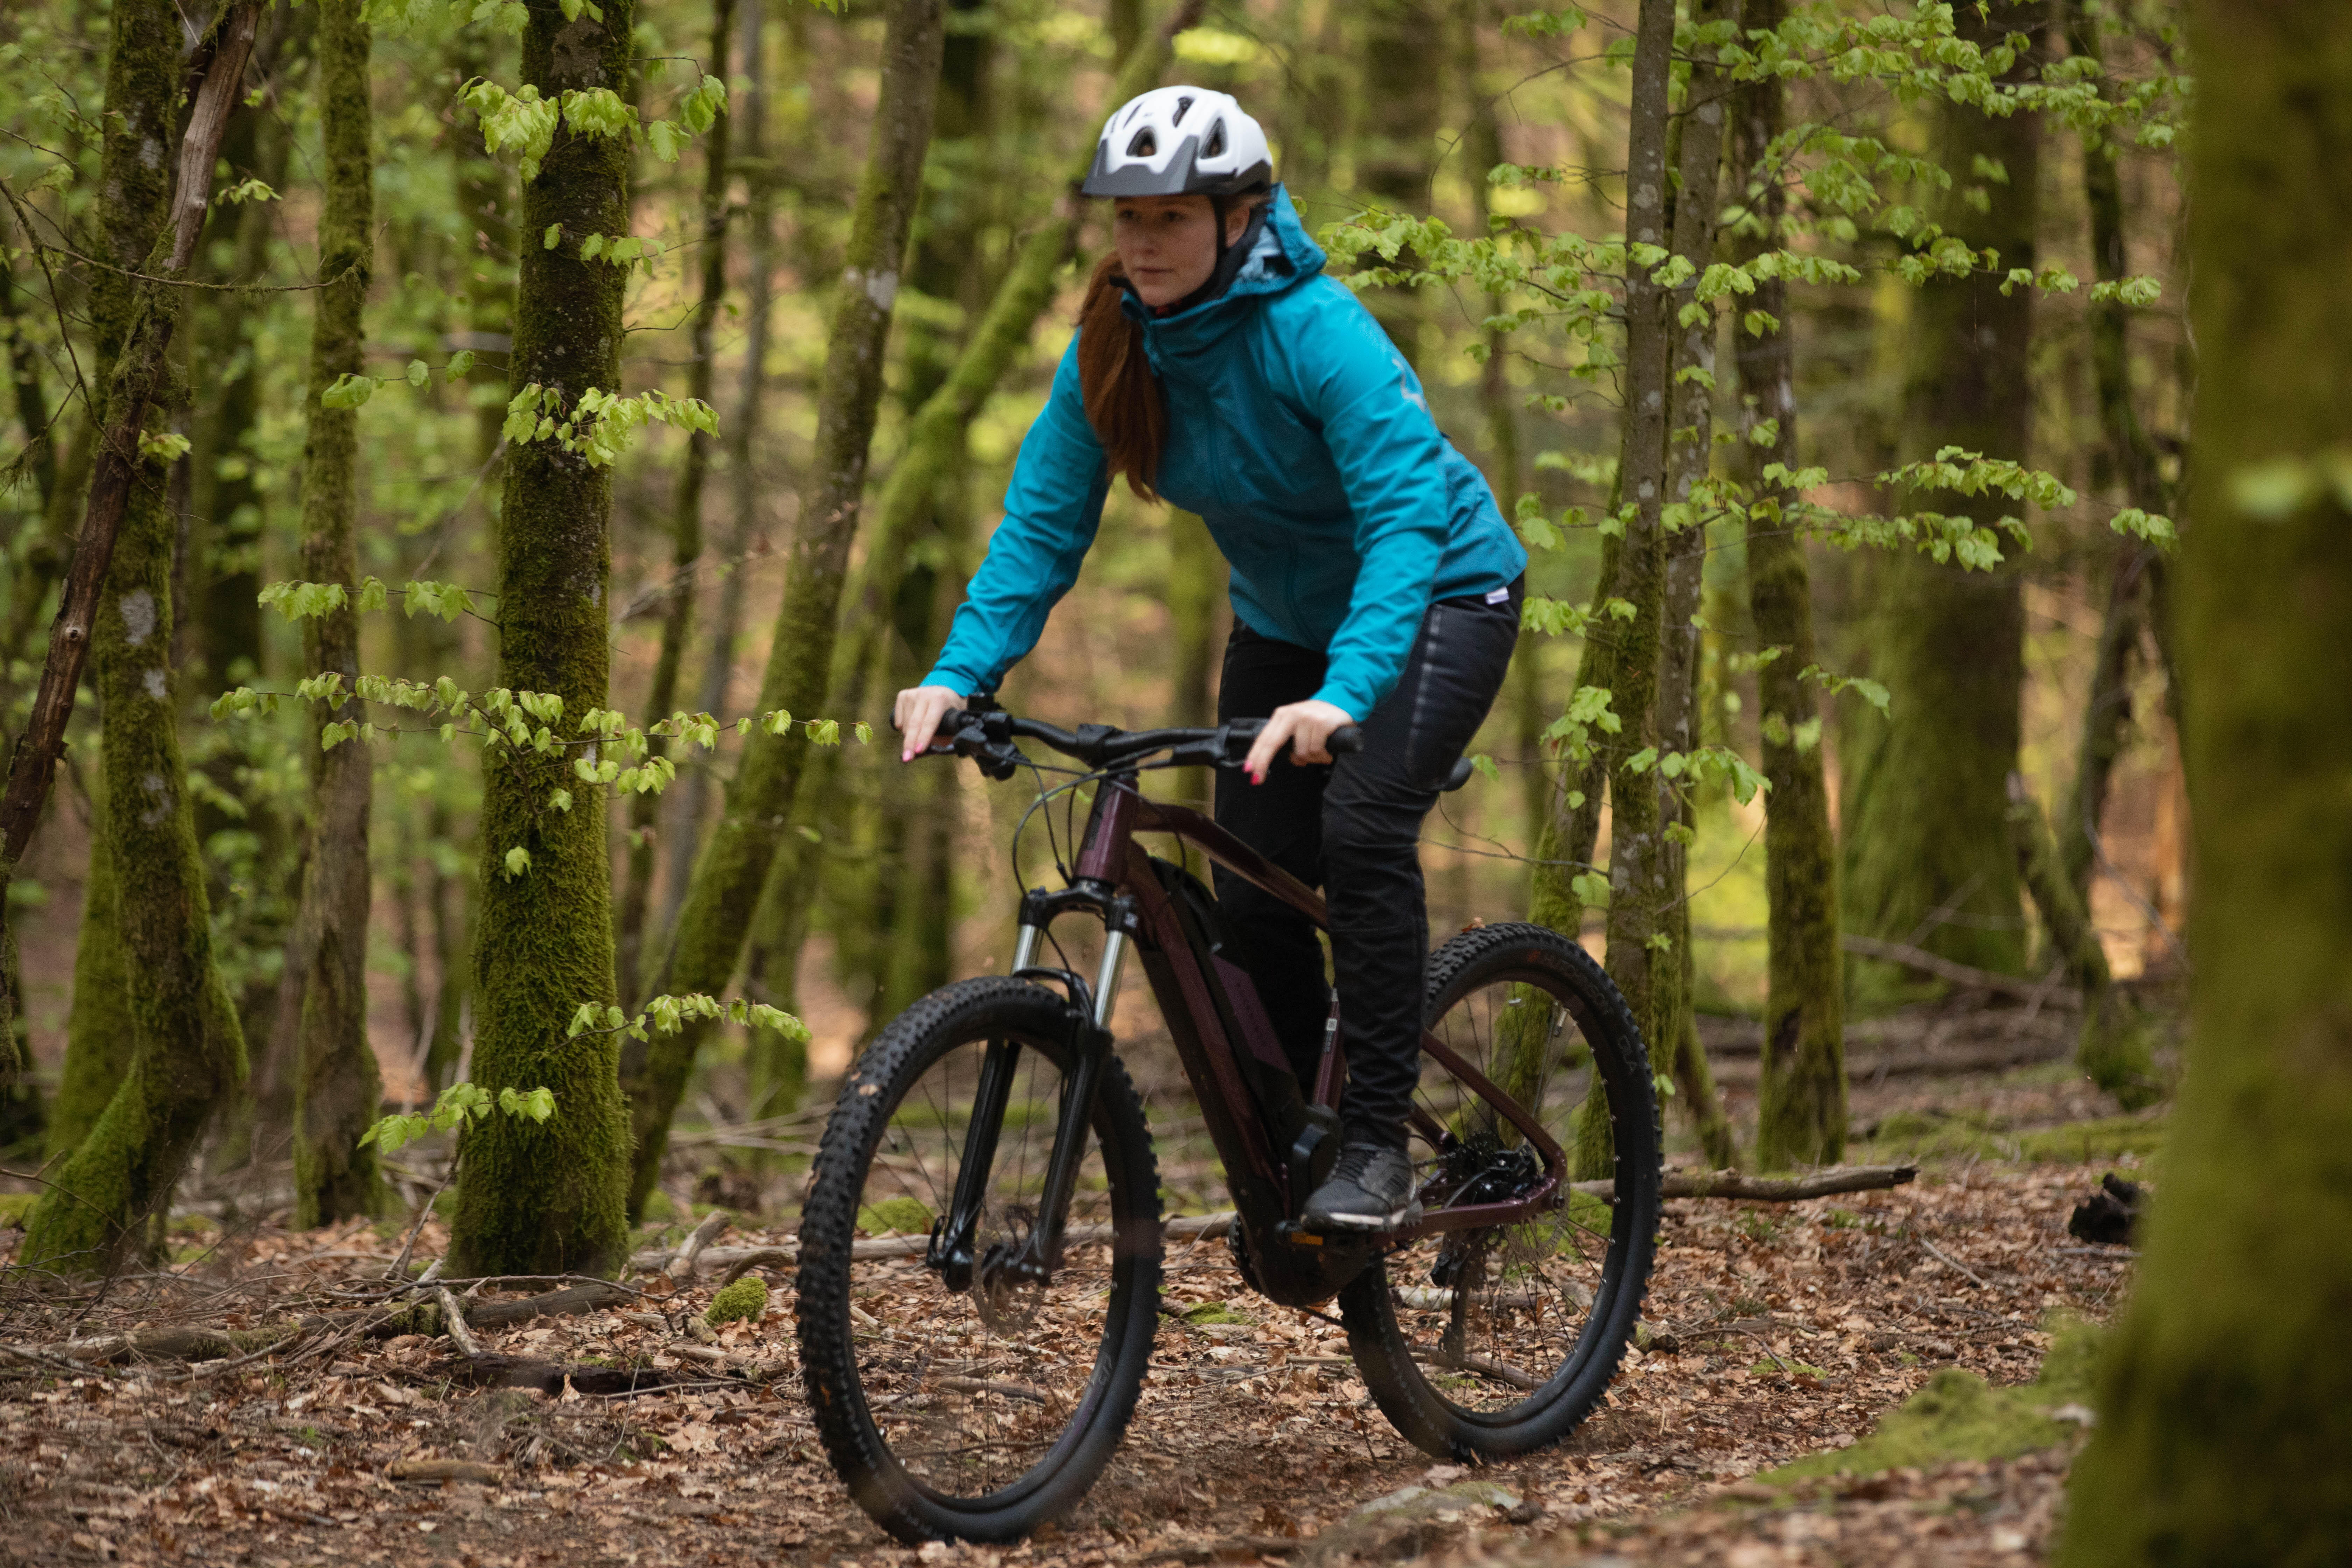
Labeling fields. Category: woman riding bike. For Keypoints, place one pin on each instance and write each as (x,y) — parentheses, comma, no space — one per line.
(1374,580)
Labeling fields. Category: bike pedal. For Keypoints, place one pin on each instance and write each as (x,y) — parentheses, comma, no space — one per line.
(1296,1235)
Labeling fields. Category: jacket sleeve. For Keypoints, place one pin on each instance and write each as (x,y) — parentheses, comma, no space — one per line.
(1052,509)
(1392,460)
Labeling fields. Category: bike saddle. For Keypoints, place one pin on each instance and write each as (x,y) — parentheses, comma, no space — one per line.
(1459,777)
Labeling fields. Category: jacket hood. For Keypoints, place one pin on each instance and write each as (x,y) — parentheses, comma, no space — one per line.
(1283,258)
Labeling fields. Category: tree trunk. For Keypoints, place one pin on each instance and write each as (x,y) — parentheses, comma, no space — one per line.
(1689,445)
(1403,43)
(734,866)
(2113,1046)
(2125,456)
(1801,1116)
(189,1053)
(2225,1401)
(548,1197)
(912,885)
(686,527)
(934,439)
(1639,893)
(336,1085)
(99,1028)
(1197,583)
(1927,852)
(1505,469)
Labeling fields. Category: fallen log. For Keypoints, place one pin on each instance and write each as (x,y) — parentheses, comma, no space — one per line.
(552,1377)
(2016,1051)
(1769,1189)
(197,1342)
(1920,961)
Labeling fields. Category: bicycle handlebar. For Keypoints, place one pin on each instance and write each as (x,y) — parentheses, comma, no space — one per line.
(987,735)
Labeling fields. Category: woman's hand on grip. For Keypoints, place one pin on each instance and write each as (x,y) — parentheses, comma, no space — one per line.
(917,715)
(1304,727)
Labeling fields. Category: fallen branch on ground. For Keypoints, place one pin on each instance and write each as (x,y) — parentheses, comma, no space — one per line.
(682,1266)
(1924,963)
(1768,1189)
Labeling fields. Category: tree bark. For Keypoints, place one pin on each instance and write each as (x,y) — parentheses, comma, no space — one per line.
(189,1053)
(1801,1116)
(1396,157)
(1638,891)
(2225,1398)
(685,527)
(934,439)
(546,1197)
(734,866)
(2124,458)
(336,1085)
(1925,853)
(1689,446)
(2113,1048)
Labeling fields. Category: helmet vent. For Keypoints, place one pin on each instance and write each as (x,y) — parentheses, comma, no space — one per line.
(1183,105)
(1145,144)
(1216,147)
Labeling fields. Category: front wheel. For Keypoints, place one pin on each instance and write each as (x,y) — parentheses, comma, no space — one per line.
(976,1413)
(1481,1343)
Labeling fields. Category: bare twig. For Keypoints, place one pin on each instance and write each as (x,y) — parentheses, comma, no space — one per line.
(681,1267)
(453,1321)
(1948,1261)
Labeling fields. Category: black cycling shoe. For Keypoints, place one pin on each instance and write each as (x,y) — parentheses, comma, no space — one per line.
(1370,1188)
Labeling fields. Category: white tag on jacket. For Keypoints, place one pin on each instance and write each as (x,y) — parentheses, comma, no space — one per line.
(1498,596)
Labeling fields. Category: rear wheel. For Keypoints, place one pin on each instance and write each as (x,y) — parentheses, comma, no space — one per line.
(976,1413)
(1478,1344)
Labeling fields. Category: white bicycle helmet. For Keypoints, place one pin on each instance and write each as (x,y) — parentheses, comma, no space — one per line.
(1180,141)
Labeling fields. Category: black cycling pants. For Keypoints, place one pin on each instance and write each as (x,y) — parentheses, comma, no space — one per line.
(1354,829)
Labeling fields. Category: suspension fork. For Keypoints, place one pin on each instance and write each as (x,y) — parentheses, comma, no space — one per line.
(952,1238)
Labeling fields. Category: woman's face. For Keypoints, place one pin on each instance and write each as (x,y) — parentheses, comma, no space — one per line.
(1167,245)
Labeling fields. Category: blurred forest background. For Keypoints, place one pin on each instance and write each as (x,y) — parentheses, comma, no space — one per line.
(1978,224)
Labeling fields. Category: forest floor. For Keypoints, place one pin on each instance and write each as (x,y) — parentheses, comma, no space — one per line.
(1781,1330)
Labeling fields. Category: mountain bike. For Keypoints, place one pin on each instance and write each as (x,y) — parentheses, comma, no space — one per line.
(979,1255)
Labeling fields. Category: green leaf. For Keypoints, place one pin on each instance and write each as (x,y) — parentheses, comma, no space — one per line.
(517,861)
(419,372)
(1487,767)
(554,233)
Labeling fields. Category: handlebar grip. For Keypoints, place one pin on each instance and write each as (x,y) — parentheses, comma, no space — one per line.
(1346,740)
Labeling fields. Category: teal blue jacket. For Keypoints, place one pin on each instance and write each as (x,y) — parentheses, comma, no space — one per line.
(1303,439)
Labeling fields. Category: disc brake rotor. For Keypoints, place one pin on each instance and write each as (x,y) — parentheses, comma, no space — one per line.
(1007,1299)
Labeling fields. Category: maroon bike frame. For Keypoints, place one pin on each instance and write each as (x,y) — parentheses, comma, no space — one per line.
(1109,856)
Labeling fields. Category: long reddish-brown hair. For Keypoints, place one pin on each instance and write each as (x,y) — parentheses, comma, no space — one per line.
(1124,402)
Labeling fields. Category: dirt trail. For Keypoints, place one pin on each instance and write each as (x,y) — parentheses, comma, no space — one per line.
(1789,1327)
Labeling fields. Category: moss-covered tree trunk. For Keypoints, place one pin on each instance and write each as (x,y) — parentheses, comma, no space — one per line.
(1801,1117)
(2126,459)
(2112,1047)
(1639,943)
(2225,1404)
(136,190)
(547,1197)
(1396,126)
(188,1053)
(98,1029)
(935,437)
(913,871)
(336,1085)
(1689,444)
(734,865)
(1498,407)
(1926,853)
(686,526)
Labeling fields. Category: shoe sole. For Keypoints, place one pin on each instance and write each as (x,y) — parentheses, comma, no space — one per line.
(1409,1214)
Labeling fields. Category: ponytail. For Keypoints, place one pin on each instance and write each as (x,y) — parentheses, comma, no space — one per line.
(1123,399)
